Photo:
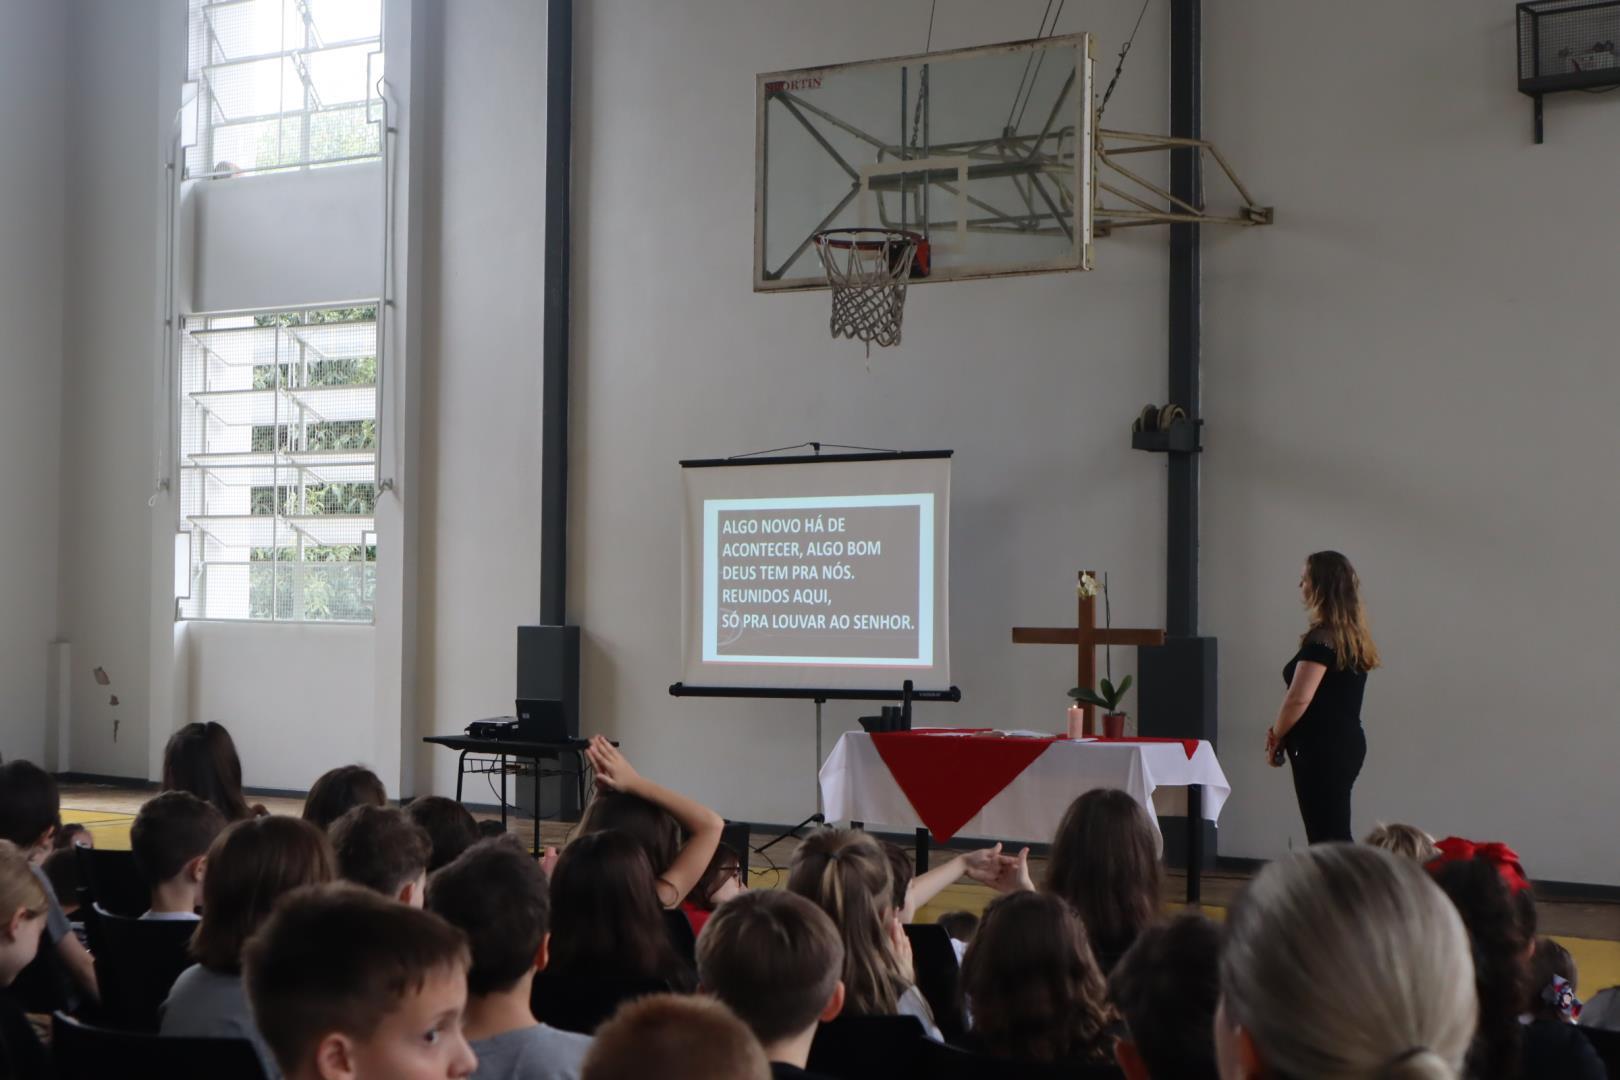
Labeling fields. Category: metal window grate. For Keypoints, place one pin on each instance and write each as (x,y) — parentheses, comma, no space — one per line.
(1568,45)
(284,84)
(278,460)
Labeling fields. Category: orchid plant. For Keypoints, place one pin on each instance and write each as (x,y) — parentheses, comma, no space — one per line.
(1107,696)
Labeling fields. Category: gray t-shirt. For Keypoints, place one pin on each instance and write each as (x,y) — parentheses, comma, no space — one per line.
(531,1053)
(57,926)
(210,1004)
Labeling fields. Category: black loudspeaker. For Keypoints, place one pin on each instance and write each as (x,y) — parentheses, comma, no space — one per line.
(548,671)
(1175,699)
(548,691)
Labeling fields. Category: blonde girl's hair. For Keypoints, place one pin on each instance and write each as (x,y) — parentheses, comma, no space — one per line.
(1345,962)
(1405,840)
(847,875)
(1333,593)
(19,888)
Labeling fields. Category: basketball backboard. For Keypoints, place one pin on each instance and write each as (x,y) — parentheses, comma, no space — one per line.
(985,152)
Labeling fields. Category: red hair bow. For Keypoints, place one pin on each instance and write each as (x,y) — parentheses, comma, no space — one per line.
(1498,854)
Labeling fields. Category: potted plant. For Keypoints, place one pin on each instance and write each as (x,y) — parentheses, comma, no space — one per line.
(1107,697)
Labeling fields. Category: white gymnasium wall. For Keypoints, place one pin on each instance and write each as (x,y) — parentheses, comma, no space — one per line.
(112,297)
(292,718)
(483,236)
(32,172)
(1031,381)
(1416,365)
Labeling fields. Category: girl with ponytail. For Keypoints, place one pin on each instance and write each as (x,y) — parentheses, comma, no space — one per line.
(1344,962)
(847,875)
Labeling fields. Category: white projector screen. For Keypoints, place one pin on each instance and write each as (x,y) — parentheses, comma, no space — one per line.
(824,573)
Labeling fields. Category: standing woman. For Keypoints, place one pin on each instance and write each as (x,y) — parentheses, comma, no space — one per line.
(1319,723)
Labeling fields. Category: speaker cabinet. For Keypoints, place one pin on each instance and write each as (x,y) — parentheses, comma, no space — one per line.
(548,689)
(548,671)
(1175,699)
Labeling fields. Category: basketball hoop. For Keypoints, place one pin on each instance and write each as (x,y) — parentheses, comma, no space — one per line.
(868,270)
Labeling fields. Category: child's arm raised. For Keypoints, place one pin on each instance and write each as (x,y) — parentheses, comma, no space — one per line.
(615,773)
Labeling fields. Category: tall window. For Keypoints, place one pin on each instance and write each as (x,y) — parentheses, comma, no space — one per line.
(284,84)
(278,459)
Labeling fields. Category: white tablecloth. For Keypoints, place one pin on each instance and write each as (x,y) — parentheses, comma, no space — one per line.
(857,786)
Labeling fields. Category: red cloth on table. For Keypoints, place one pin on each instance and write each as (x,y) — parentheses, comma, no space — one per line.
(1189,745)
(949,778)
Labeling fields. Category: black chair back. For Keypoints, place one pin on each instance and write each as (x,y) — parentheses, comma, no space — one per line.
(1607,1045)
(137,961)
(933,959)
(869,1048)
(940,1062)
(581,1005)
(83,1052)
(109,878)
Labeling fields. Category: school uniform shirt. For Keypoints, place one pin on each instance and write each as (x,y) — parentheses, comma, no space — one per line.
(781,1070)
(57,925)
(541,1052)
(912,1003)
(22,1056)
(213,1005)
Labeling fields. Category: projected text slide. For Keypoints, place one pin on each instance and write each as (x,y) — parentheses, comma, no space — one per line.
(828,580)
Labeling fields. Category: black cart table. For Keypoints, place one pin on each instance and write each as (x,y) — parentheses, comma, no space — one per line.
(522,750)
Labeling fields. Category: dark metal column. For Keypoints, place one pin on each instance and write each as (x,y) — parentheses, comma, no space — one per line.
(1186,182)
(554,333)
(1185,354)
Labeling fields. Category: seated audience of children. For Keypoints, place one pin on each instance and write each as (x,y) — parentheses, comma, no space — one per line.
(382,849)
(1344,961)
(1406,840)
(775,959)
(30,807)
(656,817)
(1487,884)
(606,919)
(23,912)
(348,985)
(337,791)
(495,894)
(451,829)
(1166,988)
(726,877)
(170,840)
(847,875)
(1031,986)
(676,1038)
(251,865)
(201,759)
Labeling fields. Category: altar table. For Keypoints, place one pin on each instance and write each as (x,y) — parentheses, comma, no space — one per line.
(981,784)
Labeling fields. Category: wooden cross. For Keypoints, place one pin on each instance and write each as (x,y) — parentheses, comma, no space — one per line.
(1087,637)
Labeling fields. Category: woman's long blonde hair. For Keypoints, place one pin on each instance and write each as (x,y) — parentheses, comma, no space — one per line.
(1333,594)
(846,874)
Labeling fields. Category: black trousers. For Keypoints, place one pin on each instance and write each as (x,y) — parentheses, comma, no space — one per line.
(1324,772)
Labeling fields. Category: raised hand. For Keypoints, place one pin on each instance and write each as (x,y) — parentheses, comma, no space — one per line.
(985,864)
(1013,874)
(613,770)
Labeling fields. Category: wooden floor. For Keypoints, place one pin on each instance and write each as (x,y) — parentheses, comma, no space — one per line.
(1591,930)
